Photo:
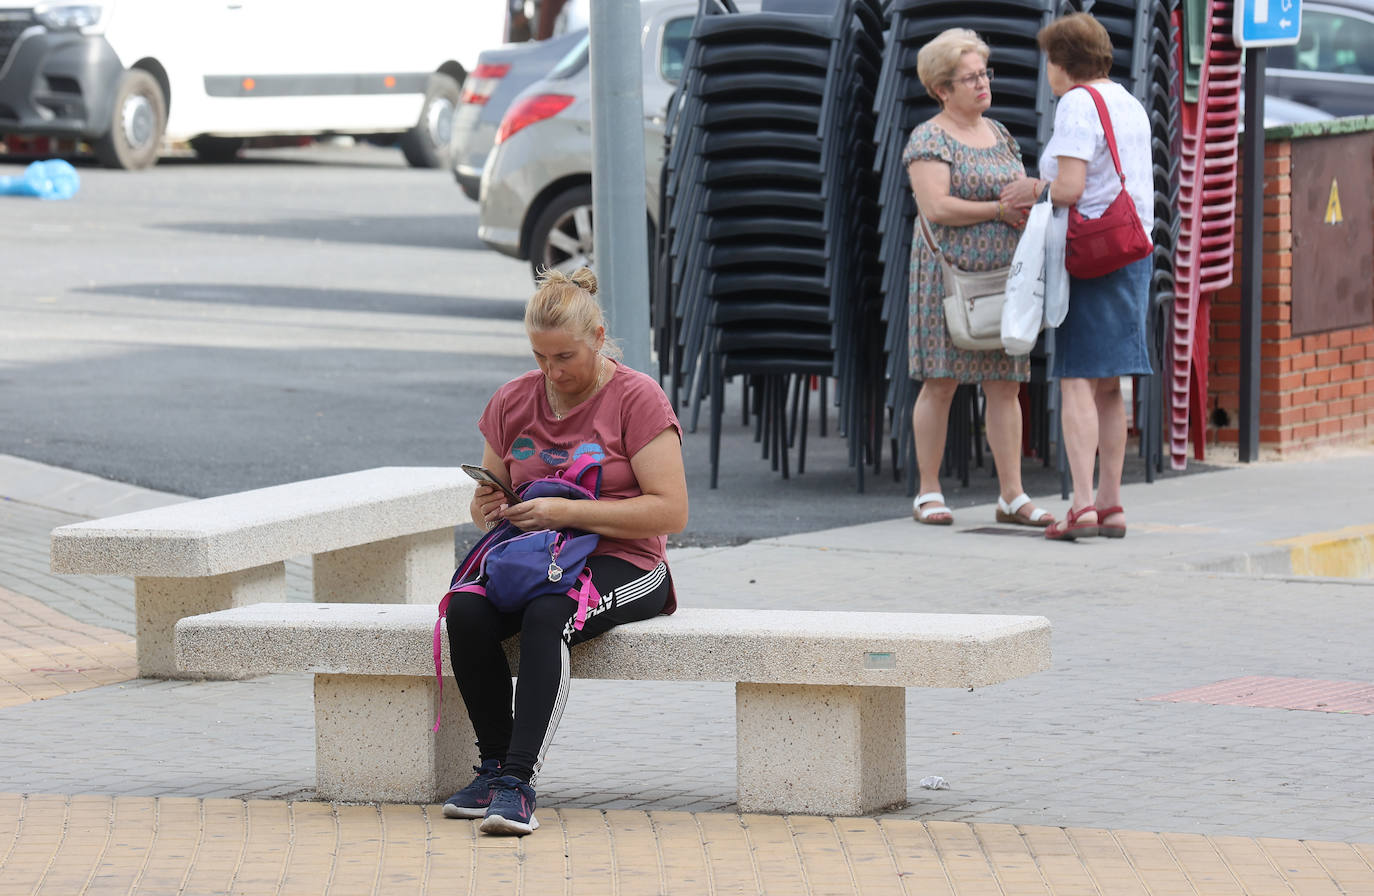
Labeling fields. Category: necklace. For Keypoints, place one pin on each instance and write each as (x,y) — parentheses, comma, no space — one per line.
(600,381)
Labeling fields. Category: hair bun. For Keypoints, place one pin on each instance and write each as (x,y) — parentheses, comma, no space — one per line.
(584,278)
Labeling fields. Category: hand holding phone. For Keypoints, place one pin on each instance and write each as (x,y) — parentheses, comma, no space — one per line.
(487,477)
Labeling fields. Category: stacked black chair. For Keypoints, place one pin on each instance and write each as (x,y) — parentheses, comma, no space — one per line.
(767,182)
(786,216)
(1021,101)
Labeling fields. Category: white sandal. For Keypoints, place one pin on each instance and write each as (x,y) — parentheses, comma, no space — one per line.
(1008,513)
(937,502)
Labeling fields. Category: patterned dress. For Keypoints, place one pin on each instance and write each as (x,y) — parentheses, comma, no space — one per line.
(975,174)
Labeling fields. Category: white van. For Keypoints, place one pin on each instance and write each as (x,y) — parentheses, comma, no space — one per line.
(125,75)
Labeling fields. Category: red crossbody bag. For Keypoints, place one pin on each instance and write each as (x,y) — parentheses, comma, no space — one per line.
(1098,246)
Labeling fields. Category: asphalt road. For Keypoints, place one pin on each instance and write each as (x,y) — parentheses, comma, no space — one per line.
(204,329)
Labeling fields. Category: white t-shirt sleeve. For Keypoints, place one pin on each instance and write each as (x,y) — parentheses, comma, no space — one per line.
(1077,128)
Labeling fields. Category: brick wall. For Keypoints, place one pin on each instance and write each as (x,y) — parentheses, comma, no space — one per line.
(1315,390)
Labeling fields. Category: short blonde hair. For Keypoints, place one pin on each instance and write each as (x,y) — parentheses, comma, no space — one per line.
(568,302)
(937,60)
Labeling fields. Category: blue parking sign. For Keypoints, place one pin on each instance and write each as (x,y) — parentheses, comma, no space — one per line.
(1266,23)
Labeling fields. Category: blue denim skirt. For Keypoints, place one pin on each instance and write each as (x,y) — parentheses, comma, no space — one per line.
(1103,335)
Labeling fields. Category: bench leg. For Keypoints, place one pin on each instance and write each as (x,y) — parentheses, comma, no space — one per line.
(820,750)
(412,569)
(159,602)
(374,740)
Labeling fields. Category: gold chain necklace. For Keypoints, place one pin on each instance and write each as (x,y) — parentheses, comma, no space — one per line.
(600,381)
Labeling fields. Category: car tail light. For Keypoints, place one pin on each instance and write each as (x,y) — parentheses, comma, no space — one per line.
(477,87)
(529,110)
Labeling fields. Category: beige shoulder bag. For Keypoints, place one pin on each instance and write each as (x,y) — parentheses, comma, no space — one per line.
(973,301)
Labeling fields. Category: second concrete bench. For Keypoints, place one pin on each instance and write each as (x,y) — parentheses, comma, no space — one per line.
(384,535)
(820,697)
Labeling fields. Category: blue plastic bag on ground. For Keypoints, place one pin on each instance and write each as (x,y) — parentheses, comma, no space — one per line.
(51,179)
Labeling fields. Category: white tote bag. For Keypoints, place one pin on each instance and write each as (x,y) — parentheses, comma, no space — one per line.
(1056,276)
(1023,312)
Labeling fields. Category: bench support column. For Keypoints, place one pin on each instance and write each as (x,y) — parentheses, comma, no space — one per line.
(412,569)
(374,739)
(820,750)
(159,602)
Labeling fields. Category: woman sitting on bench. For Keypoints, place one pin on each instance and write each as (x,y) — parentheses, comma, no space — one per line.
(579,401)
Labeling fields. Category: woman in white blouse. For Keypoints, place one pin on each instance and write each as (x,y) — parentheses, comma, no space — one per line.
(1103,337)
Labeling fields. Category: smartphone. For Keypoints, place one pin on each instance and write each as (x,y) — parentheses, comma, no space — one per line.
(483,475)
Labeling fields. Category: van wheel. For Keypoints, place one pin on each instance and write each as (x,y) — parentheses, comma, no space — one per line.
(429,143)
(136,125)
(562,235)
(216,149)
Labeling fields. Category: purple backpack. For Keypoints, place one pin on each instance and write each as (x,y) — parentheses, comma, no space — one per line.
(511,567)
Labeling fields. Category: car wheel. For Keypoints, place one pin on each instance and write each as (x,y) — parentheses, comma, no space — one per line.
(429,143)
(136,125)
(561,238)
(216,149)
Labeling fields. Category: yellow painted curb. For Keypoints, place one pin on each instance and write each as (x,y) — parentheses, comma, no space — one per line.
(1342,553)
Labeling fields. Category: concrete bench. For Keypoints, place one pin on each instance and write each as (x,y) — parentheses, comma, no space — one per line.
(378,536)
(820,698)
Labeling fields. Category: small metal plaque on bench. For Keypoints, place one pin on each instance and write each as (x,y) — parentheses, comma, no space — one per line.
(880,660)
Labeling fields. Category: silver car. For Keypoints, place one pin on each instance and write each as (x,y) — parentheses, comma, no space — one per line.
(1332,65)
(501,73)
(536,192)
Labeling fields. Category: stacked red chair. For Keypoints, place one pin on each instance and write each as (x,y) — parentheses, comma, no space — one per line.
(1209,175)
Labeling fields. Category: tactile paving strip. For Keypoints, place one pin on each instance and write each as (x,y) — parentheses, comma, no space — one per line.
(1312,694)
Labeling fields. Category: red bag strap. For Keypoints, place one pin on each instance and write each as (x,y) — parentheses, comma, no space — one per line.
(1106,120)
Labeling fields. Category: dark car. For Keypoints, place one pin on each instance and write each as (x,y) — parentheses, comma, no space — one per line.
(1332,65)
(500,74)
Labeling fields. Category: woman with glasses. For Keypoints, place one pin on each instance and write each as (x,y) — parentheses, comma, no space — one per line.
(959,163)
(1102,338)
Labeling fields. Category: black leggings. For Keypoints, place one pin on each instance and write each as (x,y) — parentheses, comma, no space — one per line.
(476,630)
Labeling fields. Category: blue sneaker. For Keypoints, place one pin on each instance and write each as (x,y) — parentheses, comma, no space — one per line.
(512,808)
(472,801)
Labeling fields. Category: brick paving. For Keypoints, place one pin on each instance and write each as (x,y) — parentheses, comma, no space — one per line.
(46,654)
(75,844)
(1075,780)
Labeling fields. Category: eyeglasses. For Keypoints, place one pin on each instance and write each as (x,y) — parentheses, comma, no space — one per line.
(972,80)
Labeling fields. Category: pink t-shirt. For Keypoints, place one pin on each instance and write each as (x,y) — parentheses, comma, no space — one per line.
(616,423)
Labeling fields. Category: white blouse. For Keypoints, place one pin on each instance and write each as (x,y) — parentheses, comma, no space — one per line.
(1078,134)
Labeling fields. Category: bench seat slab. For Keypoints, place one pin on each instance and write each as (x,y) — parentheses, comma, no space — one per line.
(374,740)
(820,750)
(160,601)
(410,569)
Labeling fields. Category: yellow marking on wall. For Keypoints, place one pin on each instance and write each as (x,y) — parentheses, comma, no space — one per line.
(1333,205)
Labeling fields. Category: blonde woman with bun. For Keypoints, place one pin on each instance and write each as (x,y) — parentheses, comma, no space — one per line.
(959,162)
(578,401)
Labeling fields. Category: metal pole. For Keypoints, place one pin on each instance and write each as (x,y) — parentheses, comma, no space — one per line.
(1252,256)
(618,196)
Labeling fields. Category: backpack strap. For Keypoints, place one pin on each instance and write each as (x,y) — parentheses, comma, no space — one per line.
(467,579)
(586,595)
(476,588)
(471,566)
(579,469)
